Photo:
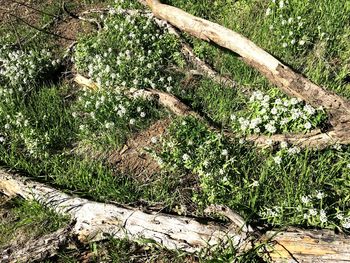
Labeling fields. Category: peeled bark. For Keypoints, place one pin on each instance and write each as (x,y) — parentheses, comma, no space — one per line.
(308,246)
(97,221)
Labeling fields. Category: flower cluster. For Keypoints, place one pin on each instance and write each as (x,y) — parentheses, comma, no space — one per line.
(270,114)
(99,114)
(288,25)
(18,127)
(130,51)
(310,210)
(21,68)
(189,146)
(288,28)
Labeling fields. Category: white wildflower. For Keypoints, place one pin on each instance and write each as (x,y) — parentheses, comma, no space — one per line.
(319,195)
(323,216)
(109,125)
(185,157)
(270,128)
(224,152)
(307,125)
(293,150)
(277,159)
(255,184)
(312,211)
(309,109)
(274,111)
(269,142)
(305,199)
(281,4)
(283,145)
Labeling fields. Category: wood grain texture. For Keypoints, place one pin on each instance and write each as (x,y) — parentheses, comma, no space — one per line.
(97,221)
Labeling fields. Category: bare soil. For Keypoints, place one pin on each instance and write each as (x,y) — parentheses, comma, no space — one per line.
(133,158)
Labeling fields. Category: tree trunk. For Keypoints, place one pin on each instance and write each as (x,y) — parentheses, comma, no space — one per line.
(97,221)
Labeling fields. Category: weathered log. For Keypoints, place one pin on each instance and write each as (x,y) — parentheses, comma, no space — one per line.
(321,246)
(284,77)
(37,250)
(97,221)
(315,139)
(167,100)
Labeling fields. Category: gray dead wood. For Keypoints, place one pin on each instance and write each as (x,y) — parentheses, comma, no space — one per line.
(97,221)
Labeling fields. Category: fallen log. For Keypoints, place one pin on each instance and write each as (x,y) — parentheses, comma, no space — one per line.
(165,99)
(285,78)
(308,246)
(315,139)
(97,221)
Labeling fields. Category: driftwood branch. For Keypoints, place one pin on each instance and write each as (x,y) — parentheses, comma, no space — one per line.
(285,78)
(97,221)
(314,139)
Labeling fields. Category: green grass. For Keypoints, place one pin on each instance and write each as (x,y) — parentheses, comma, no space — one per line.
(22,221)
(43,125)
(39,142)
(280,186)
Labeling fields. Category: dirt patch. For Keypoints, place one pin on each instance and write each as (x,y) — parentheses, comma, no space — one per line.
(9,10)
(133,157)
(14,15)
(69,30)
